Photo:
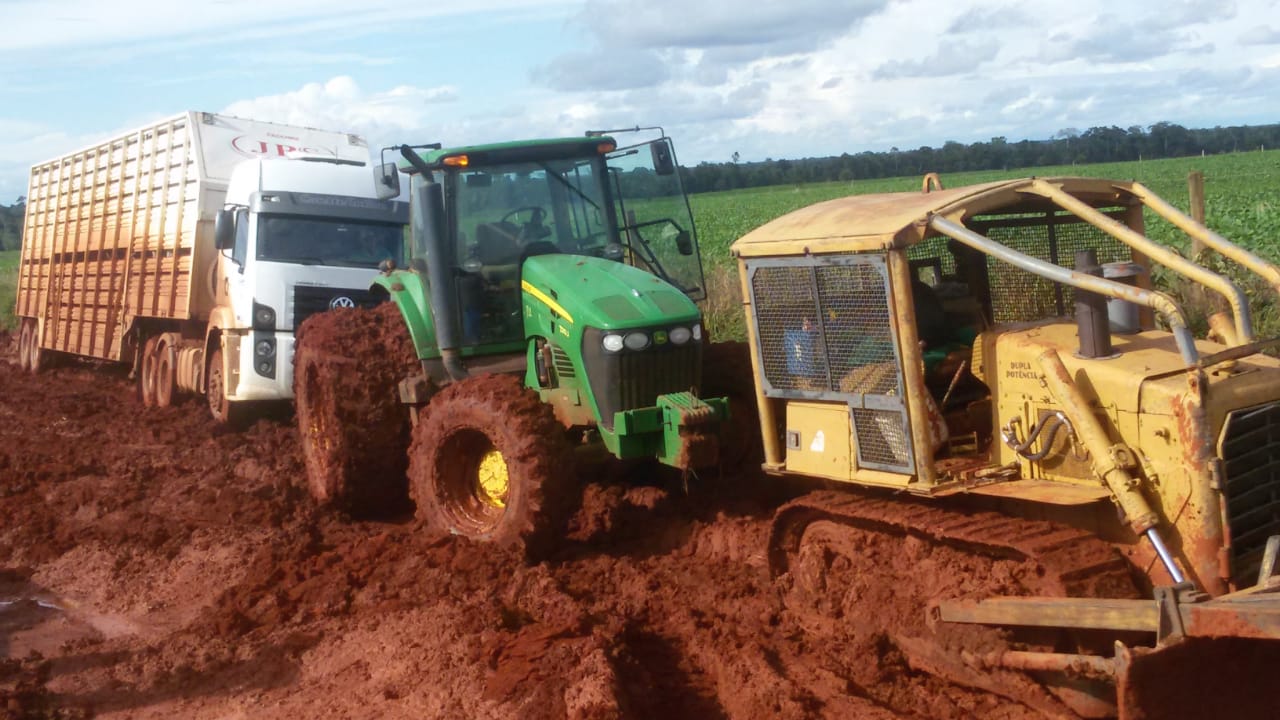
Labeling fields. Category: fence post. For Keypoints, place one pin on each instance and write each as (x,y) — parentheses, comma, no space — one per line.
(1195,186)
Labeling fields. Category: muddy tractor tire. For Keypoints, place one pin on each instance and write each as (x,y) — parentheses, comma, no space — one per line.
(147,374)
(490,462)
(726,372)
(353,429)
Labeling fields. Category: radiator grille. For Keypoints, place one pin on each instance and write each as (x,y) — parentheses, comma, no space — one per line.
(309,300)
(633,379)
(1251,463)
(643,376)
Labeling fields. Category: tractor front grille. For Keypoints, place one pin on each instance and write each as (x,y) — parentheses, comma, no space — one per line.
(1251,464)
(634,379)
(310,299)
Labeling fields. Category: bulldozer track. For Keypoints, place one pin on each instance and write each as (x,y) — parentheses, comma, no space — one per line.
(1072,562)
(856,564)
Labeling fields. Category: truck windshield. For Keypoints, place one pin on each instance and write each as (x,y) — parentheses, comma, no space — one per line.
(329,241)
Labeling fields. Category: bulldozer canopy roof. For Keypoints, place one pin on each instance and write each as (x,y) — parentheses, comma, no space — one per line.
(861,223)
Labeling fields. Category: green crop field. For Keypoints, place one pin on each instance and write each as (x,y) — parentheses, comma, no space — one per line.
(1242,199)
(8,287)
(1242,203)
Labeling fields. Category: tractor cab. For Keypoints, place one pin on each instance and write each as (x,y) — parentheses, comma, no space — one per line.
(570,261)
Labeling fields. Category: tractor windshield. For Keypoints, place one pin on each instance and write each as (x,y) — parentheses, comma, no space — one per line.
(507,212)
(657,225)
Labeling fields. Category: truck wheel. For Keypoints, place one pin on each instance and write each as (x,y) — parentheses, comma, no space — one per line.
(147,376)
(165,377)
(352,427)
(491,462)
(24,346)
(224,411)
(726,372)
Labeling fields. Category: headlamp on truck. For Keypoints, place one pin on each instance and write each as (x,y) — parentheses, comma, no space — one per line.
(264,318)
(264,357)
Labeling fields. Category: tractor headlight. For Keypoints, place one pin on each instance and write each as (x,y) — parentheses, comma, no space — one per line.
(679,335)
(612,343)
(264,348)
(636,341)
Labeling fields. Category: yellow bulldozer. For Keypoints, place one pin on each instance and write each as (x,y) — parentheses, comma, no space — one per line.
(1025,464)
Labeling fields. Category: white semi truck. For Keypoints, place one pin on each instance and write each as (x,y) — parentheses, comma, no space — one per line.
(192,248)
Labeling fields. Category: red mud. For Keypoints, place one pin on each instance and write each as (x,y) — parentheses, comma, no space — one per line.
(154,565)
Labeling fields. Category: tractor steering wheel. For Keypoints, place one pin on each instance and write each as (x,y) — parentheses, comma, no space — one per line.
(535,215)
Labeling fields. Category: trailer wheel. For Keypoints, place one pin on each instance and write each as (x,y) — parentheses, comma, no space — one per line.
(489,461)
(147,376)
(25,335)
(165,376)
(37,357)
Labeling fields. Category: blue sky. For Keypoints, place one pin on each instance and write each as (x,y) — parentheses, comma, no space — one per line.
(766,78)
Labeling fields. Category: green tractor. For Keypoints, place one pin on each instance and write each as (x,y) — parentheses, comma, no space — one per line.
(548,307)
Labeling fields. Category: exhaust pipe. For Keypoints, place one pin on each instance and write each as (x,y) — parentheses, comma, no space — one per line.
(429,227)
(1092,322)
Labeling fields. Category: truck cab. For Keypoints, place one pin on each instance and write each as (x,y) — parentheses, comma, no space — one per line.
(295,237)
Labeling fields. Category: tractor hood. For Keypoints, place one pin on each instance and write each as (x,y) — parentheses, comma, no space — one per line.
(594,292)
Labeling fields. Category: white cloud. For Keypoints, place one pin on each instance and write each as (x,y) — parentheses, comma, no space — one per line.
(32,24)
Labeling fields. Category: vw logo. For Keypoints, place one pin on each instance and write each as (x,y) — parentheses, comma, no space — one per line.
(342,301)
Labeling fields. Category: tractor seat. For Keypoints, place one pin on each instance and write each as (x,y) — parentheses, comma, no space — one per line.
(498,243)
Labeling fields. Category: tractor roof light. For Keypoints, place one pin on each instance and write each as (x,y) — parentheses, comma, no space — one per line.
(460,161)
(606,147)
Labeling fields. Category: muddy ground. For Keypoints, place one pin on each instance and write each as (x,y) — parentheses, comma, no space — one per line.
(153,565)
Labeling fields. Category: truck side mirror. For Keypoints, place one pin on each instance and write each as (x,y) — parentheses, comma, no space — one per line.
(224,230)
(387,182)
(684,242)
(663,161)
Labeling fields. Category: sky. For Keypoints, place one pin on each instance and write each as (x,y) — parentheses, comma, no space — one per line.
(759,78)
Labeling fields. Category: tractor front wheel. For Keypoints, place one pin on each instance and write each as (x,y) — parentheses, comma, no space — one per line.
(490,462)
(353,430)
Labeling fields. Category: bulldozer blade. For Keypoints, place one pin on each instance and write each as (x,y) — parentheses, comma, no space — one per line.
(1202,678)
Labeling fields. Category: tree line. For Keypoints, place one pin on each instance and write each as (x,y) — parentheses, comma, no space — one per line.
(11,217)
(1066,147)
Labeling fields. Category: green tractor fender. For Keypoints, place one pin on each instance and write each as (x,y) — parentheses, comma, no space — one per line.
(409,291)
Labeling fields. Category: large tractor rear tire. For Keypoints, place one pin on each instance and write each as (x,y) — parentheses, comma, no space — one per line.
(491,462)
(353,430)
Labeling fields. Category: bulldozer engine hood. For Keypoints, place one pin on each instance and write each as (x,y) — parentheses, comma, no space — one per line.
(581,291)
